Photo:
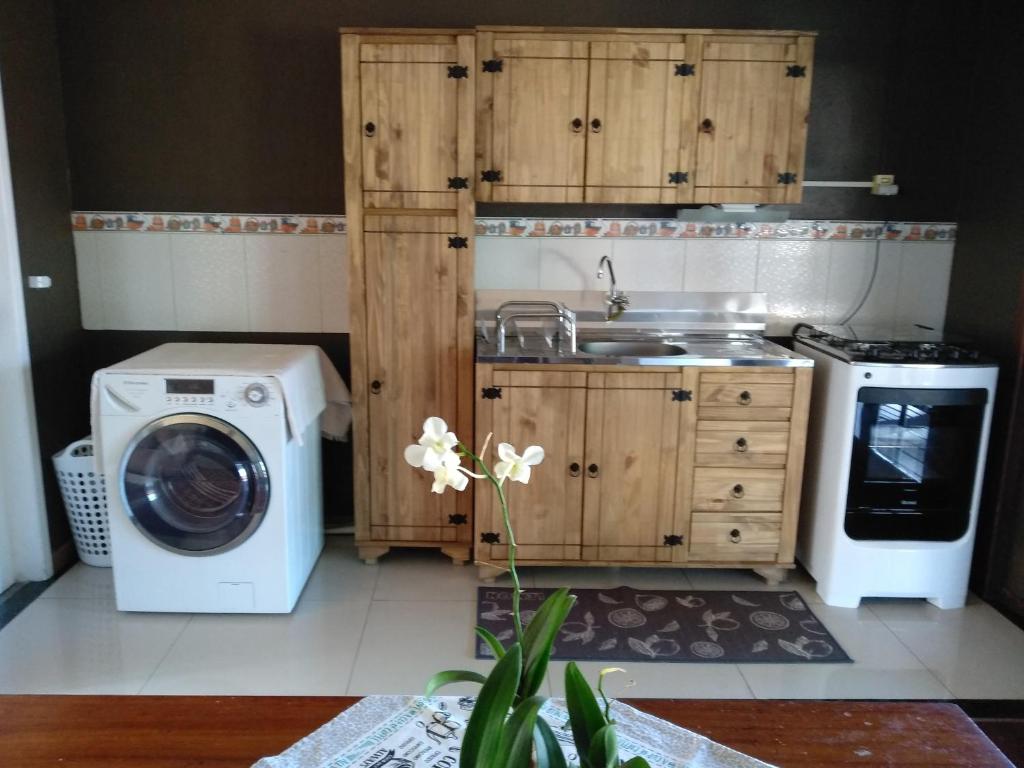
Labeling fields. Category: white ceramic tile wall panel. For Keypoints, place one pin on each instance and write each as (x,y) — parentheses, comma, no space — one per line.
(507,263)
(649,265)
(794,274)
(283,281)
(138,284)
(570,264)
(333,252)
(850,266)
(715,265)
(90,281)
(924,283)
(209,283)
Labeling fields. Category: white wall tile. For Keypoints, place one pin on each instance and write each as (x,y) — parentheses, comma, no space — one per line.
(507,263)
(90,280)
(794,274)
(715,265)
(333,250)
(138,284)
(924,283)
(850,275)
(283,281)
(649,265)
(209,283)
(571,264)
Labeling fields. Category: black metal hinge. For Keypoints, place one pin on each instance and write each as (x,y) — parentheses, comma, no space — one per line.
(679,177)
(796,70)
(490,538)
(681,395)
(787,178)
(458,242)
(490,175)
(493,65)
(685,70)
(458,519)
(458,182)
(491,393)
(458,71)
(673,540)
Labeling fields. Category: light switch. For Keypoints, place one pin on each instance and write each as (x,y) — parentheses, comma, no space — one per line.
(40,282)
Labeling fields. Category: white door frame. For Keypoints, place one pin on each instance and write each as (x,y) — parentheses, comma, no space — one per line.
(24,539)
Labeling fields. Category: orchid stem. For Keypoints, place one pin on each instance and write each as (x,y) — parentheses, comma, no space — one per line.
(516,589)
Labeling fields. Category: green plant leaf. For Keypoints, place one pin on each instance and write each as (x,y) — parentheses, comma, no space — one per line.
(604,749)
(549,753)
(584,713)
(450,676)
(479,745)
(636,762)
(494,643)
(540,636)
(516,746)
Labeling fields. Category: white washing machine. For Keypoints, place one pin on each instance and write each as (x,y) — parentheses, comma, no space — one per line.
(212,460)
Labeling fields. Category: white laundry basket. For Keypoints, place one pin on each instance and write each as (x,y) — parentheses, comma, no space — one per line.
(85,497)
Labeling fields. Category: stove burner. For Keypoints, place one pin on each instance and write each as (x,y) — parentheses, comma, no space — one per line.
(935,352)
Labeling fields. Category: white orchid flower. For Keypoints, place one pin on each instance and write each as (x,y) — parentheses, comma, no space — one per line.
(514,466)
(452,475)
(434,448)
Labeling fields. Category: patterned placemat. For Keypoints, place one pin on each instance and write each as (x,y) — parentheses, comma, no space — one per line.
(625,624)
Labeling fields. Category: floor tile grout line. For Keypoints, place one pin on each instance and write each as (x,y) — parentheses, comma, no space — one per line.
(359,645)
(884,623)
(746,682)
(167,653)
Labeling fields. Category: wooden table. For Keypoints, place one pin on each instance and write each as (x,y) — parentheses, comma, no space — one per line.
(164,731)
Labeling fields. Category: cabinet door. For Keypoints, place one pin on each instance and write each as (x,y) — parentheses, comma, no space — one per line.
(411,320)
(410,123)
(545,409)
(641,97)
(532,135)
(752,119)
(639,446)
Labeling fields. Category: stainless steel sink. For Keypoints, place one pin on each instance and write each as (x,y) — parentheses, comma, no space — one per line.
(631,348)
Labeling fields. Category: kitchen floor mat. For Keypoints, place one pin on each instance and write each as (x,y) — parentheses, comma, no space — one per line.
(625,624)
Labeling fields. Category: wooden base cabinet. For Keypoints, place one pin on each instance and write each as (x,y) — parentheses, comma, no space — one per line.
(647,467)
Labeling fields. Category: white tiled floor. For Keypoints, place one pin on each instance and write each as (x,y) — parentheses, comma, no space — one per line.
(385,629)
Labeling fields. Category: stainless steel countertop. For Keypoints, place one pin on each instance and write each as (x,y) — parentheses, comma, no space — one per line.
(708,349)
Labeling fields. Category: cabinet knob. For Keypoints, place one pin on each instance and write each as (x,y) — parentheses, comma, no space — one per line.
(737,491)
(706,126)
(744,398)
(577,125)
(734,536)
(369,129)
(375,386)
(593,470)
(595,126)
(741,445)
(574,469)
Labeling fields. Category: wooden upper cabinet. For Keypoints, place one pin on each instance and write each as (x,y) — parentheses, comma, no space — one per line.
(410,103)
(411,315)
(532,97)
(642,108)
(755,93)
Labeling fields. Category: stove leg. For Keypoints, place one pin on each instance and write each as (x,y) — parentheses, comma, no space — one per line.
(947,602)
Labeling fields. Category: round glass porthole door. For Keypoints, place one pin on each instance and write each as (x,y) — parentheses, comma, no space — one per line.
(194,484)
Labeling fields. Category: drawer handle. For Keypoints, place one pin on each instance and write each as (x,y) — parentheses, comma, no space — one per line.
(734,536)
(577,125)
(595,126)
(744,398)
(737,491)
(741,445)
(370,130)
(375,387)
(593,470)
(574,469)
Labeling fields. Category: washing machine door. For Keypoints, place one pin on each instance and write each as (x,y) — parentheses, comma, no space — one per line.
(194,484)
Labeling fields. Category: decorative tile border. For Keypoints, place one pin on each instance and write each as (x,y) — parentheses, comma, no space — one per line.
(246,223)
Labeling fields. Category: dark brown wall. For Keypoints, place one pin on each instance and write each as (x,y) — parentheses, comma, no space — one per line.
(35,133)
(225,105)
(988,269)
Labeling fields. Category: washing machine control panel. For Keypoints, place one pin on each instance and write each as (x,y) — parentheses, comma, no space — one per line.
(150,394)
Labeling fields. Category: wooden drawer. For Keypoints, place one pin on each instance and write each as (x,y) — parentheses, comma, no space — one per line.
(742,443)
(725,390)
(739,538)
(738,490)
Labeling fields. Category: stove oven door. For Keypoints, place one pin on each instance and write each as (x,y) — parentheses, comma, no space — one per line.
(914,460)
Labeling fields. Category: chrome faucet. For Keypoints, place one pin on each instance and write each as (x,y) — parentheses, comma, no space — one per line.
(557,311)
(617,300)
